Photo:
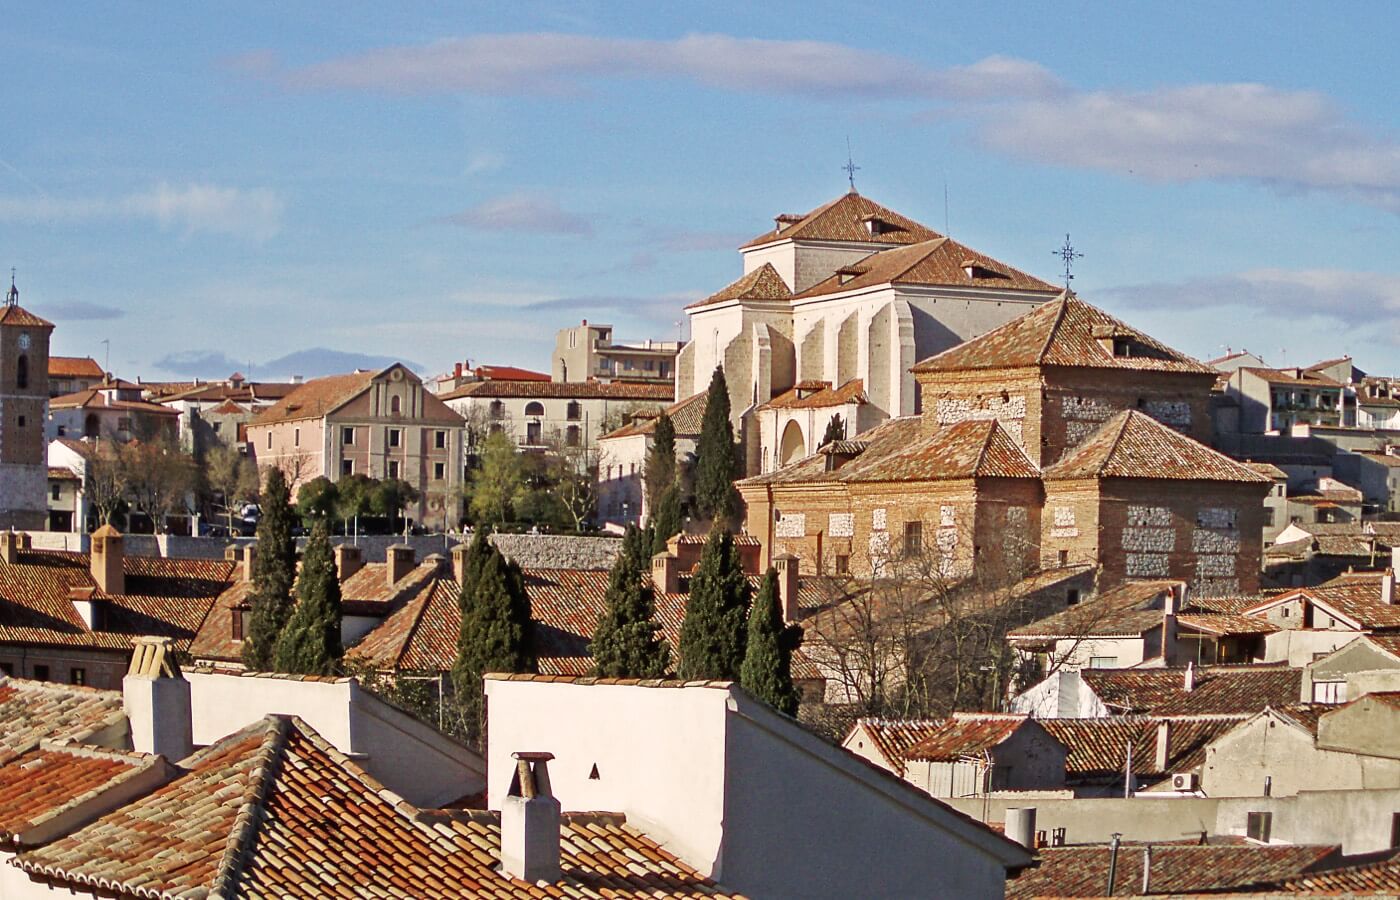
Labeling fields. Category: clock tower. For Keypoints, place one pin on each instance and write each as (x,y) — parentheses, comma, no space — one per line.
(24,394)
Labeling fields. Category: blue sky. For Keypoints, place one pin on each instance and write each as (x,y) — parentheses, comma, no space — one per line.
(220,185)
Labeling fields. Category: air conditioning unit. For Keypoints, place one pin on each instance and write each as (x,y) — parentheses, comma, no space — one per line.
(1184,781)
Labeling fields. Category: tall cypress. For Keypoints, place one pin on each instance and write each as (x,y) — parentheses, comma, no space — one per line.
(274,570)
(714,631)
(310,642)
(661,461)
(627,642)
(715,456)
(666,518)
(495,632)
(767,669)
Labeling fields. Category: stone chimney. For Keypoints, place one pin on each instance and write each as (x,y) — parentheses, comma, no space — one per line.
(157,700)
(12,543)
(243,555)
(1164,745)
(530,822)
(666,573)
(1020,825)
(1190,678)
(348,561)
(1171,605)
(107,560)
(786,564)
(399,562)
(459,562)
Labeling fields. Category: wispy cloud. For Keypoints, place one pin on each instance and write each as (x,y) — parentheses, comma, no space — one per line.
(1289,140)
(483,161)
(701,241)
(1335,294)
(81,311)
(311,363)
(249,213)
(553,63)
(664,309)
(525,211)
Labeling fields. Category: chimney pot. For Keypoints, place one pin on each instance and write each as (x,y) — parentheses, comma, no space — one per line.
(666,573)
(1164,743)
(11,543)
(1020,825)
(348,561)
(459,562)
(786,565)
(530,817)
(157,700)
(1388,588)
(243,556)
(106,560)
(1190,677)
(400,562)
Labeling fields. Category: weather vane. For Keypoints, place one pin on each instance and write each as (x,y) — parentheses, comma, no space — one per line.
(1069,255)
(850,168)
(12,297)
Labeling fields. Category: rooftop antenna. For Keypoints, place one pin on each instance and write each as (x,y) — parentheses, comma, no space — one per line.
(12,296)
(1069,255)
(850,168)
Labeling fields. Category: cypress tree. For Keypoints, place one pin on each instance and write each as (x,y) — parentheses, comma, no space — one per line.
(661,461)
(713,633)
(715,458)
(274,570)
(627,642)
(310,642)
(767,669)
(666,518)
(495,633)
(835,430)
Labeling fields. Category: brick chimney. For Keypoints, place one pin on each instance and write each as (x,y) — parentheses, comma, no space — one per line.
(157,700)
(786,564)
(666,573)
(399,562)
(530,822)
(459,561)
(348,561)
(1164,745)
(12,543)
(107,559)
(243,555)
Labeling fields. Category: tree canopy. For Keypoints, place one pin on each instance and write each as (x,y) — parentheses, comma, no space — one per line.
(495,632)
(715,456)
(310,642)
(499,483)
(660,471)
(714,631)
(627,642)
(274,569)
(767,669)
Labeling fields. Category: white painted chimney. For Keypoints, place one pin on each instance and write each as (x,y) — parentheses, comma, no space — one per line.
(786,564)
(400,562)
(157,700)
(1388,588)
(1190,678)
(1395,560)
(530,822)
(1020,825)
(1164,745)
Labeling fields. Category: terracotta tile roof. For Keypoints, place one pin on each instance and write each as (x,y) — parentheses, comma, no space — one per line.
(276,811)
(686,417)
(1176,869)
(316,398)
(965,735)
(18,315)
(241,391)
(844,219)
(1299,378)
(1356,597)
(164,597)
(214,639)
(1098,748)
(1268,470)
(819,397)
(56,776)
(74,367)
(31,711)
(1125,611)
(1063,332)
(1226,623)
(509,373)
(92,398)
(1135,445)
(1219,690)
(763,283)
(60,473)
(940,261)
(1376,879)
(894,738)
(1305,715)
(564,390)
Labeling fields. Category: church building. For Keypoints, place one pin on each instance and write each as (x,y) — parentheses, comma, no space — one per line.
(844,301)
(24,395)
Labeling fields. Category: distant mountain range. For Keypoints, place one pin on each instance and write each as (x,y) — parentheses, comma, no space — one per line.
(310,363)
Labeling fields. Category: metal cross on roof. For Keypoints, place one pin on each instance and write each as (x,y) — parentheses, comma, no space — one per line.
(850,168)
(12,296)
(1069,255)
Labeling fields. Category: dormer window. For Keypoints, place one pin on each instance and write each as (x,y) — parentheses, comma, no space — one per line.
(974,269)
(846,273)
(1122,346)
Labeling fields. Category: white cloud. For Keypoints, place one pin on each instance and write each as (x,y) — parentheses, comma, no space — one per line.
(554,63)
(255,213)
(484,161)
(524,211)
(1290,140)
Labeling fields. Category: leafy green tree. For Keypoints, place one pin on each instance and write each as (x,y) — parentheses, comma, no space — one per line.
(666,518)
(714,630)
(767,669)
(389,498)
(274,570)
(352,497)
(627,642)
(495,634)
(835,430)
(317,499)
(310,642)
(499,483)
(660,471)
(715,456)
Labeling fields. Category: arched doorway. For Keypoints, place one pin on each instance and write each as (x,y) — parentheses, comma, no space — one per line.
(793,446)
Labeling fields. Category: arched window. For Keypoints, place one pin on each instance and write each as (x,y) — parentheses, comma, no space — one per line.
(534,408)
(395,406)
(22,372)
(92,426)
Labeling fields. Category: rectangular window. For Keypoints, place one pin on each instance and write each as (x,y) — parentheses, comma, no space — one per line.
(296,437)
(1063,557)
(7,668)
(1268,515)
(236,625)
(218,426)
(123,424)
(57,491)
(1329,692)
(440,440)
(77,675)
(269,440)
(347,467)
(439,471)
(1259,825)
(41,673)
(347,436)
(1103,662)
(843,564)
(393,468)
(395,437)
(913,538)
(1395,829)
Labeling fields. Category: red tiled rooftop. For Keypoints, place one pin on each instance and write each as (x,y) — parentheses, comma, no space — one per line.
(32,711)
(844,219)
(45,781)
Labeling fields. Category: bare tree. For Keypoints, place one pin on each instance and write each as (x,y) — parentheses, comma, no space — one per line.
(232,475)
(159,476)
(104,481)
(296,467)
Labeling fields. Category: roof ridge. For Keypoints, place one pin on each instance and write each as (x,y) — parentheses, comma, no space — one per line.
(266,768)
(1054,329)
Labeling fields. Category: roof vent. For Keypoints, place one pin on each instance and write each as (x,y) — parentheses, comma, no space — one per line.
(530,822)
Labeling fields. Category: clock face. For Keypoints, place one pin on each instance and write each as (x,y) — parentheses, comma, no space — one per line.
(24,340)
